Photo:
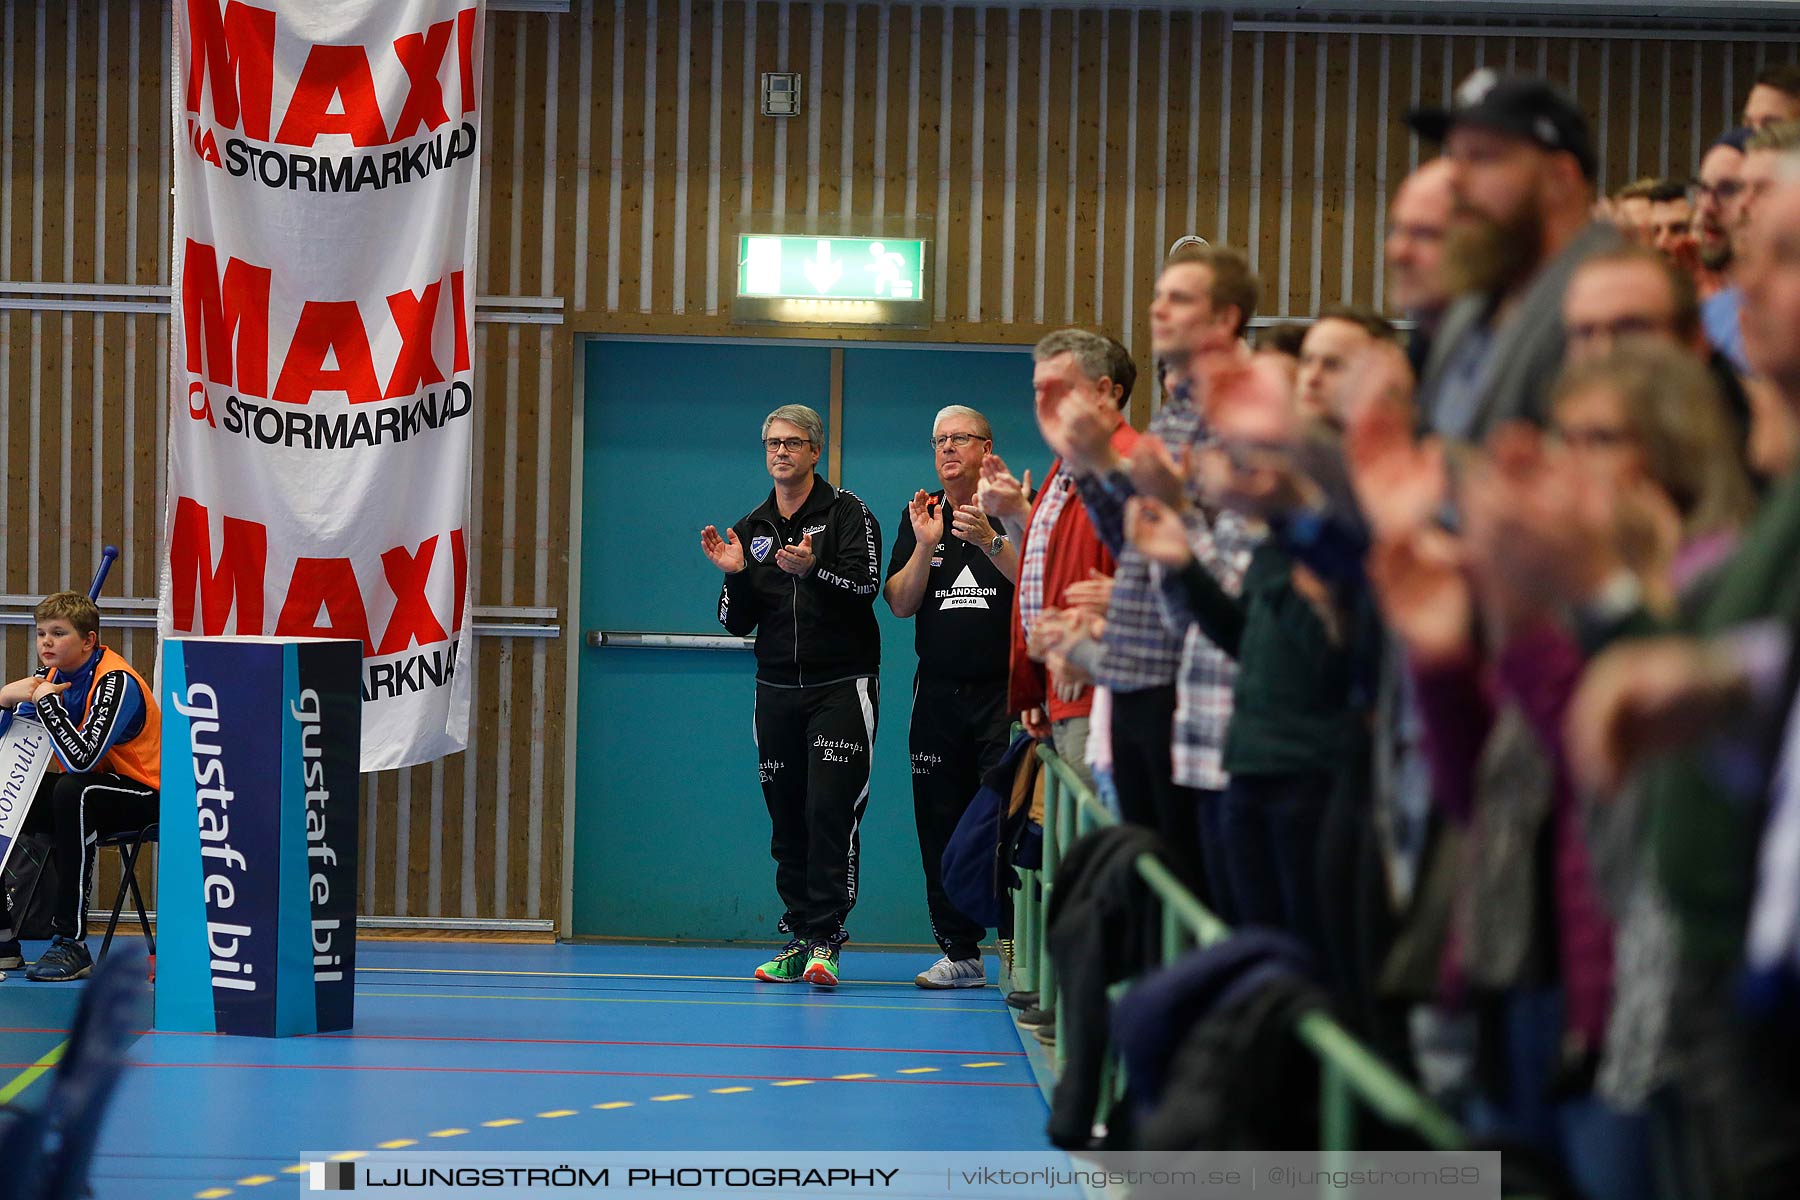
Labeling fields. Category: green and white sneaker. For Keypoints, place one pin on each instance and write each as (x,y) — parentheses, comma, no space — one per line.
(822,965)
(787,966)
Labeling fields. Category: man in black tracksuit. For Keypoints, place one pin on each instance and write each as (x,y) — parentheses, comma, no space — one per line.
(953,572)
(802,571)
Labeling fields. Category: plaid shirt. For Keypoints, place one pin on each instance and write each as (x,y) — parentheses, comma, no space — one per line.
(1139,650)
(1037,549)
(1203,688)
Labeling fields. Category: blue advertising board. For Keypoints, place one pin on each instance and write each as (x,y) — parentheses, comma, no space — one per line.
(257,897)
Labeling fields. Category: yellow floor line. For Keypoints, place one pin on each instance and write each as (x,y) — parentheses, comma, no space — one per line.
(29,1075)
(503,1122)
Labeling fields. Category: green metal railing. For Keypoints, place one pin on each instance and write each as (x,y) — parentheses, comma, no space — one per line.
(1349,1073)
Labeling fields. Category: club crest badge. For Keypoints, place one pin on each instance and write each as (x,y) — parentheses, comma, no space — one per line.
(759,547)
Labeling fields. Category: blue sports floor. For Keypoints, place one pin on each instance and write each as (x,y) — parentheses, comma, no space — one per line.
(510,1047)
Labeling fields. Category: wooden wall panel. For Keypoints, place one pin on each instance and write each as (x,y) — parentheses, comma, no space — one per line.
(1059,186)
(1051,153)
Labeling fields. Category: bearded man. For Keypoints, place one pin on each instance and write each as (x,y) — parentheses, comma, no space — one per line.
(1522,172)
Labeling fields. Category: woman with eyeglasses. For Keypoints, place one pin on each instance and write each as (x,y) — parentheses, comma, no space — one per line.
(1637,496)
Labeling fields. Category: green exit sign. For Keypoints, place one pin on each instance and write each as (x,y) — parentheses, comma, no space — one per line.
(831,268)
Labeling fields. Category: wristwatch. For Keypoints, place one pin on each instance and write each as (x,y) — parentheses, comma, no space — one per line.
(997,545)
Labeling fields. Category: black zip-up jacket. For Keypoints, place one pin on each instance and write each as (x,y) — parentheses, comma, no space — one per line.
(819,628)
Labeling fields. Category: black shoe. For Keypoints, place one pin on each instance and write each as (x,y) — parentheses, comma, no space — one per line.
(12,957)
(66,959)
(1037,1016)
(1022,1000)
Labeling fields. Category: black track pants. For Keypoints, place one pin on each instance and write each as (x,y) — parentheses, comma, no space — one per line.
(813,746)
(75,810)
(958,733)
(1143,724)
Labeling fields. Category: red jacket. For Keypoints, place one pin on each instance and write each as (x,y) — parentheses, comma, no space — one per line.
(1074,549)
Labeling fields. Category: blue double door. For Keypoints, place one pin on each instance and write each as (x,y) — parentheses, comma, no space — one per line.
(671,833)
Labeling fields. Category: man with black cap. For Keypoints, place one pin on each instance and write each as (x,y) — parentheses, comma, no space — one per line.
(1523,176)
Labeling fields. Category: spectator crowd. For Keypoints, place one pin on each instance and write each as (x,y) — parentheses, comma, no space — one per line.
(1466,654)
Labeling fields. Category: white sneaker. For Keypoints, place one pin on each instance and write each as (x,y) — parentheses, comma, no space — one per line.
(944,973)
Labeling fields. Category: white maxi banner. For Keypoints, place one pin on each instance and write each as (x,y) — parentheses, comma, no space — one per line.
(322,393)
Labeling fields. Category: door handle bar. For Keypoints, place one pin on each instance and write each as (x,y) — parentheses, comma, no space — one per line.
(629,640)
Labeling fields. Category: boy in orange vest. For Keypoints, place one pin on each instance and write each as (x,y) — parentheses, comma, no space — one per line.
(106,729)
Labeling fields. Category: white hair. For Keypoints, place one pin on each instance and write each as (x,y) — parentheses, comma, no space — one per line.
(963,410)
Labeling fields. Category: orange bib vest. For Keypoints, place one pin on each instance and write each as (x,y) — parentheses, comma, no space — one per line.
(141,757)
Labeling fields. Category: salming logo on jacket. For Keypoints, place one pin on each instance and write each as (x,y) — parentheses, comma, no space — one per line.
(108,720)
(819,628)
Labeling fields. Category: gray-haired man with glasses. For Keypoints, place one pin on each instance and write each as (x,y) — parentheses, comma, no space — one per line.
(953,570)
(802,571)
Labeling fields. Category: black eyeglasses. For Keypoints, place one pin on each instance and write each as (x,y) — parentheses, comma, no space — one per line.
(791,445)
(959,440)
(1623,327)
(1722,191)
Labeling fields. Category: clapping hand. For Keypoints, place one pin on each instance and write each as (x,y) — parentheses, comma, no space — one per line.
(1002,496)
(1423,593)
(1251,412)
(1252,402)
(1154,471)
(927,519)
(1647,698)
(1400,483)
(971,525)
(1156,532)
(1092,595)
(1075,432)
(726,553)
(1258,481)
(1055,631)
(1067,680)
(796,560)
